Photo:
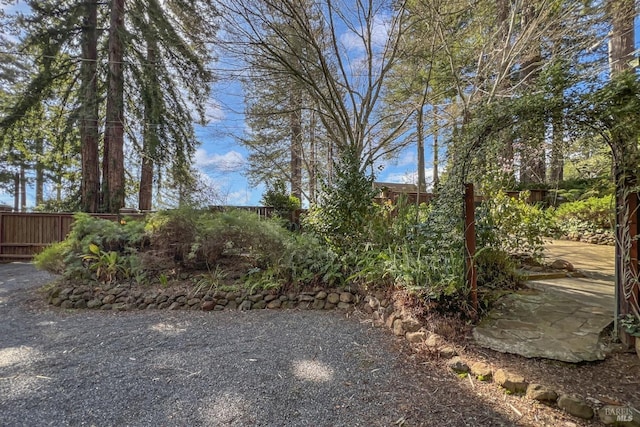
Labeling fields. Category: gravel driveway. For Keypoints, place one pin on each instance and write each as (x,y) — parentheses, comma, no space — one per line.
(262,367)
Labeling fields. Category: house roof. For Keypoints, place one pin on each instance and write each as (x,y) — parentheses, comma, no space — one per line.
(396,187)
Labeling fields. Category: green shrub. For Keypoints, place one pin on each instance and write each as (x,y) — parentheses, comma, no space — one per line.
(393,224)
(512,225)
(106,266)
(52,258)
(106,234)
(199,239)
(96,249)
(433,274)
(172,233)
(244,233)
(307,261)
(418,268)
(283,204)
(303,261)
(424,254)
(574,189)
(496,269)
(346,208)
(594,212)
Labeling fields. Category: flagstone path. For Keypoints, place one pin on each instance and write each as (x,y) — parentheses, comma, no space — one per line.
(559,319)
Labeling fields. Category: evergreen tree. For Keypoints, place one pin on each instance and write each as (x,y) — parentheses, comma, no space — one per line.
(175,84)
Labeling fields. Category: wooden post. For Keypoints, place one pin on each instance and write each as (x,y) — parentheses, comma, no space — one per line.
(1,234)
(631,296)
(626,262)
(61,234)
(470,244)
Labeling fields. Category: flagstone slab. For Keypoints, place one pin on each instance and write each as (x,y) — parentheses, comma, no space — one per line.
(560,319)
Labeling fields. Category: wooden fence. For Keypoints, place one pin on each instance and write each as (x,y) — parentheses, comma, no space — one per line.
(22,235)
(410,197)
(535,197)
(263,212)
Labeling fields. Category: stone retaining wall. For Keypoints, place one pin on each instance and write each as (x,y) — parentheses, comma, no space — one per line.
(121,298)
(405,325)
(603,238)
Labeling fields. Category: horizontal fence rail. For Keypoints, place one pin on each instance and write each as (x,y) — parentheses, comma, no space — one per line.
(22,235)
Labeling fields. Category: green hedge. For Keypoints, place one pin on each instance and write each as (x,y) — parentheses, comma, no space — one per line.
(598,212)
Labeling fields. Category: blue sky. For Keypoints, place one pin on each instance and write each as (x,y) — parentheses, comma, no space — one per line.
(221,159)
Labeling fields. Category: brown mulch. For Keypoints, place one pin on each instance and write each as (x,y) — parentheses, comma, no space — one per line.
(613,381)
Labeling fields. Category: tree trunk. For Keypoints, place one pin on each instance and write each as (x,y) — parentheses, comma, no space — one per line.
(330,163)
(295,105)
(295,121)
(145,195)
(504,9)
(422,182)
(622,36)
(436,148)
(533,154)
(114,192)
(23,189)
(16,192)
(313,169)
(557,150)
(90,187)
(149,142)
(39,149)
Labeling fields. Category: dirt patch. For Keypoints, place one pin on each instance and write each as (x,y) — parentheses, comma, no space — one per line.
(615,380)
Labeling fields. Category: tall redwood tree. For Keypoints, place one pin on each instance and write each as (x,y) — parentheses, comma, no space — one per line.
(113,162)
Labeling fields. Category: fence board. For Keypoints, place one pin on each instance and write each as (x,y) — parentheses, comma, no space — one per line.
(22,235)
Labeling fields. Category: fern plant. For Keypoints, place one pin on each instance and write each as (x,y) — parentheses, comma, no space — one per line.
(107,266)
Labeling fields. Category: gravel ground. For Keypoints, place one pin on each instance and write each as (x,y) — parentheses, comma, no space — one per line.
(162,368)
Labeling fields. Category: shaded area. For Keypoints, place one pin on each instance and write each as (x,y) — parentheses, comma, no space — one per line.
(544,323)
(560,318)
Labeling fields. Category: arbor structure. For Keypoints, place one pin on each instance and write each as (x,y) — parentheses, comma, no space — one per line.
(623,133)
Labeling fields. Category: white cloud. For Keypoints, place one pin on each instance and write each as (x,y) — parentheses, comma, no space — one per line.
(379,35)
(401,178)
(231,161)
(409,177)
(381,28)
(238,198)
(407,159)
(213,112)
(351,41)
